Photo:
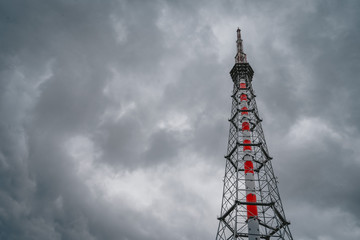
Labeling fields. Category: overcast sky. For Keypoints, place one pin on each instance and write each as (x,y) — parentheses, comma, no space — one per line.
(113,115)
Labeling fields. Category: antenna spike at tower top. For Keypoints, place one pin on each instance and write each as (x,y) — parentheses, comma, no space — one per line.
(240,55)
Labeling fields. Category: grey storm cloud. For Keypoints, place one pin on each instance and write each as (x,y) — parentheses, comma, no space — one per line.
(113,115)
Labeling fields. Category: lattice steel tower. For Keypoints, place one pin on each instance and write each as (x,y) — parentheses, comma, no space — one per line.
(251,205)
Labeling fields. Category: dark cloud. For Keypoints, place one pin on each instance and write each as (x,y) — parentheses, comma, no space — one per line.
(114,115)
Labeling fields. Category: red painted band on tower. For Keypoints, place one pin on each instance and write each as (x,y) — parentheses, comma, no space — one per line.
(247,141)
(245,126)
(243,97)
(249,167)
(244,113)
(251,209)
(242,85)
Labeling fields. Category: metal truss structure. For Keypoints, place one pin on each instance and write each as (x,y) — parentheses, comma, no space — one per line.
(251,205)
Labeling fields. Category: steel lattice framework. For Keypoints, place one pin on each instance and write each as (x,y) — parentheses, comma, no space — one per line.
(251,205)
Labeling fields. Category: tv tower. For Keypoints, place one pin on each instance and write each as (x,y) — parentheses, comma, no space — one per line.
(251,206)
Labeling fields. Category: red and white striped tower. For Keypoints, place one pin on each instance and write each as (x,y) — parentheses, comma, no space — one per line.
(251,205)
